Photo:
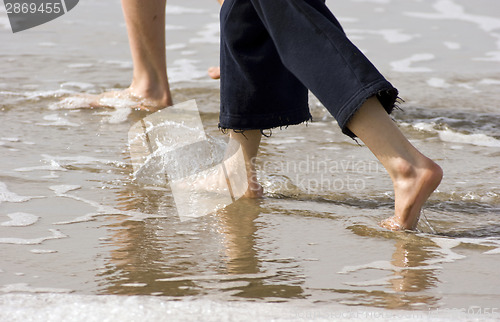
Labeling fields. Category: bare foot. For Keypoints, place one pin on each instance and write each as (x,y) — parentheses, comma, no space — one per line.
(412,188)
(113,99)
(254,192)
(129,99)
(233,175)
(214,72)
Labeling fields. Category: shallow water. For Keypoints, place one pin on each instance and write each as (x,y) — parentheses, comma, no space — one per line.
(74,219)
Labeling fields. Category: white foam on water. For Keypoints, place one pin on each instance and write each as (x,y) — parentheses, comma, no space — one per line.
(381,265)
(101,210)
(20,219)
(188,52)
(448,9)
(183,70)
(490,197)
(444,249)
(447,135)
(77,85)
(25,288)
(385,266)
(495,251)
(90,308)
(73,102)
(392,36)
(452,45)
(47,44)
(469,87)
(347,19)
(437,82)
(175,46)
(80,65)
(134,284)
(489,81)
(43,251)
(125,64)
(404,65)
(174,27)
(221,277)
(82,159)
(9,93)
(37,95)
(119,115)
(488,242)
(117,102)
(374,1)
(378,282)
(4,20)
(208,34)
(282,141)
(9,196)
(56,234)
(11,139)
(225,285)
(52,175)
(178,10)
(490,56)
(51,166)
(478,139)
(186,232)
(85,218)
(57,121)
(64,188)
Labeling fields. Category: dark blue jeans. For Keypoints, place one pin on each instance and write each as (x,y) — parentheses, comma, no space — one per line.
(273,51)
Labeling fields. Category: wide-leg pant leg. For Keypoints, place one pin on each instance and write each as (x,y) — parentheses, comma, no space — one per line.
(312,45)
(257,90)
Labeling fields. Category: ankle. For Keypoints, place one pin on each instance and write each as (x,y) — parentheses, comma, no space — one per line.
(403,170)
(156,92)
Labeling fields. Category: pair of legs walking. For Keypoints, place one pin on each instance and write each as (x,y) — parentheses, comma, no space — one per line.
(414,176)
(273,51)
(276,36)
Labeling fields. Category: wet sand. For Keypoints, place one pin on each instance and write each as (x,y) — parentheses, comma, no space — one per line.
(77,228)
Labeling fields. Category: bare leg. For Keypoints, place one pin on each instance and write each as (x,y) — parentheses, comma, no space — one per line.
(414,176)
(250,141)
(146,29)
(149,89)
(238,171)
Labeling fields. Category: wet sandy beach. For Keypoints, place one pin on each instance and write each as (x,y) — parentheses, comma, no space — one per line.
(77,228)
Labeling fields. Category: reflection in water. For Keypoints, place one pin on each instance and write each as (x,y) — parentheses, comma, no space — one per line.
(412,276)
(168,257)
(220,252)
(225,255)
(237,226)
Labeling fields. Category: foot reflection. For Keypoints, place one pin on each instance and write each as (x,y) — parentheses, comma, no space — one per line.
(213,255)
